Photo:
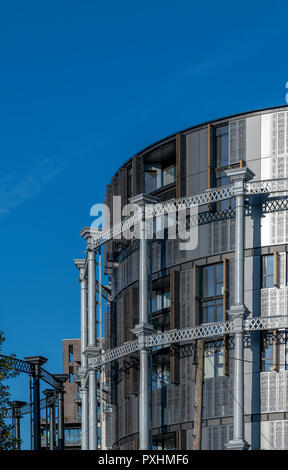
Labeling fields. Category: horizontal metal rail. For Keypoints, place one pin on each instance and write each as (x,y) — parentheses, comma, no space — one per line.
(207,197)
(24,410)
(208,330)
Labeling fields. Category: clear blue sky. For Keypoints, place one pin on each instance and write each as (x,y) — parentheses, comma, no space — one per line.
(84,86)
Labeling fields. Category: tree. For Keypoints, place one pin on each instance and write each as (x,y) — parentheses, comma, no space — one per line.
(7,441)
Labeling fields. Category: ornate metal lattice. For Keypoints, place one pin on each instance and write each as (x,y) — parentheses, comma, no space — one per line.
(209,330)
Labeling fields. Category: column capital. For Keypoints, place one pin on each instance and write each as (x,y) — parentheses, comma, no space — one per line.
(143,198)
(88,234)
(80,265)
(239,176)
(91,350)
(142,329)
(36,360)
(16,407)
(61,378)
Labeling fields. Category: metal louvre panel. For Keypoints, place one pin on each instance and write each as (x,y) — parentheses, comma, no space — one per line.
(183,400)
(273,301)
(237,137)
(176,413)
(169,252)
(285,435)
(167,406)
(216,438)
(190,400)
(242,139)
(281,127)
(274,133)
(282,269)
(233,151)
(208,401)
(279,435)
(274,391)
(218,397)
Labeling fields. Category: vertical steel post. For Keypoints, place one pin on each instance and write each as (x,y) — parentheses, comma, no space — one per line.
(80,264)
(143,329)
(36,362)
(238,311)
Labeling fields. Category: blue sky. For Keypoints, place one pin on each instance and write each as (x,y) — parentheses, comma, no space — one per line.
(84,86)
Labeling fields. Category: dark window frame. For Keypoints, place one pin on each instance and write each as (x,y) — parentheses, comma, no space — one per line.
(215,298)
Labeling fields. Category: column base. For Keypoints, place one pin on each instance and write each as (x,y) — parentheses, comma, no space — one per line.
(238,444)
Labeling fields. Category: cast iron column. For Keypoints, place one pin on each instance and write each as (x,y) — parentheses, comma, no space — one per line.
(80,264)
(238,311)
(50,397)
(92,343)
(60,392)
(16,413)
(143,329)
(36,362)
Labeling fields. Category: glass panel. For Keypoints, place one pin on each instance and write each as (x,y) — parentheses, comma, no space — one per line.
(208,281)
(169,444)
(166,298)
(219,310)
(208,312)
(152,178)
(154,301)
(267,271)
(219,363)
(267,356)
(209,364)
(169,175)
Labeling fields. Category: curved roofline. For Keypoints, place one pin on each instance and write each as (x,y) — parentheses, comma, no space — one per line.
(218,120)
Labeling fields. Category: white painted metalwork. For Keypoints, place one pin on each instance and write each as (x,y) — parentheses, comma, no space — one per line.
(206,331)
(207,197)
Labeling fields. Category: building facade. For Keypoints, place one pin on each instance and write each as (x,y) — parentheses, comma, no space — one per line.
(72,398)
(194,288)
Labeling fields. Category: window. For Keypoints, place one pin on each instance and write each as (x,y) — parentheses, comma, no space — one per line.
(152,177)
(167,442)
(268,352)
(157,175)
(71,374)
(212,293)
(160,299)
(72,436)
(168,174)
(71,358)
(213,359)
(267,271)
(222,146)
(160,375)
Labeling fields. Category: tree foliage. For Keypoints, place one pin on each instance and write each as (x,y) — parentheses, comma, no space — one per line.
(7,441)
